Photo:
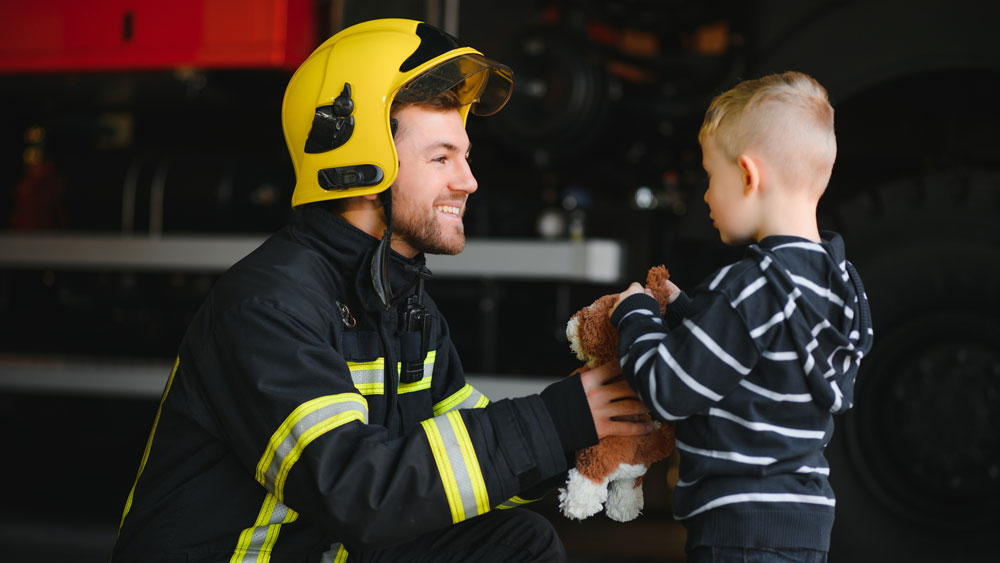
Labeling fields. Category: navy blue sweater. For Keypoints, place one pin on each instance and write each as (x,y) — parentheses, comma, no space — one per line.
(751,369)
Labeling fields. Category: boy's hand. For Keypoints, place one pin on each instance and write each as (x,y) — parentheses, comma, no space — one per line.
(672,291)
(616,409)
(632,290)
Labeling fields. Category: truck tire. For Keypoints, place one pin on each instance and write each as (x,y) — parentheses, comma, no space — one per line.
(916,463)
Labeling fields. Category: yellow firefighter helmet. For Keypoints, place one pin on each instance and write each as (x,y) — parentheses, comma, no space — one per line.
(335,113)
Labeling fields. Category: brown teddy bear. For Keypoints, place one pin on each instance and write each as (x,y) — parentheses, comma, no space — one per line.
(610,473)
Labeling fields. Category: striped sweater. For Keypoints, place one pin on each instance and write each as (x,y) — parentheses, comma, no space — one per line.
(751,369)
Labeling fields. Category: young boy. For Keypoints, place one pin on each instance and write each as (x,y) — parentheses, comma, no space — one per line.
(754,365)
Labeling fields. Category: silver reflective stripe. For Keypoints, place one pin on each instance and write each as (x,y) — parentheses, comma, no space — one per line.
(458,466)
(465,398)
(302,429)
(307,422)
(368,377)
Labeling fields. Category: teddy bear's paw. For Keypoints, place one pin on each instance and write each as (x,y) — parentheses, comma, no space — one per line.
(625,499)
(582,497)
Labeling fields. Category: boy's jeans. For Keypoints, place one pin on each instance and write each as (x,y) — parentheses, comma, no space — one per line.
(709,554)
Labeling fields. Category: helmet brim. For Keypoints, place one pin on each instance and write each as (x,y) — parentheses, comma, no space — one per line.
(479,82)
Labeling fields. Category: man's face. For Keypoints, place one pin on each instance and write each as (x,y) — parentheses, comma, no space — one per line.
(725,195)
(433,184)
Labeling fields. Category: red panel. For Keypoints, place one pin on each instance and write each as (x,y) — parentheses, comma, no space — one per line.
(70,35)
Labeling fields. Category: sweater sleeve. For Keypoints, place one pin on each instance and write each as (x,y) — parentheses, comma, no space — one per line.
(678,310)
(686,370)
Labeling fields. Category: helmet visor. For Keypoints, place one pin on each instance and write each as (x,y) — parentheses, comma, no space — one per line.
(481,82)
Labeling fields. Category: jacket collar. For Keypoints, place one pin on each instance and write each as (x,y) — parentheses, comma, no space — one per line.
(350,249)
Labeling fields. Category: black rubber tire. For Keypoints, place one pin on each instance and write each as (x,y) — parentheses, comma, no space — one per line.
(916,463)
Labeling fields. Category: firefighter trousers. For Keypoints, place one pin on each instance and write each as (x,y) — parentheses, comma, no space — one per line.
(500,536)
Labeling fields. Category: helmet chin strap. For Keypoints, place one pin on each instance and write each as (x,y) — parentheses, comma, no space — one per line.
(380,260)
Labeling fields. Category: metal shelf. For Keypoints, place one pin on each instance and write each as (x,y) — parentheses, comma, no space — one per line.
(144,379)
(595,260)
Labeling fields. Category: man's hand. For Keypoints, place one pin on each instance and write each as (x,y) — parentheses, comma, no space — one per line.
(611,400)
(636,287)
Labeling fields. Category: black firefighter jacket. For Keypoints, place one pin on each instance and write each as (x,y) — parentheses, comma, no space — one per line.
(284,434)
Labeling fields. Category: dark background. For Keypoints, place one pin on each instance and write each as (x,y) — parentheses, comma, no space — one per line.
(609,96)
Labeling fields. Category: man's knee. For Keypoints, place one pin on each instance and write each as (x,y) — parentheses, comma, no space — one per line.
(533,534)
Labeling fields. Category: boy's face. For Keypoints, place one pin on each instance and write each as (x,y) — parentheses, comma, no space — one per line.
(433,184)
(726,195)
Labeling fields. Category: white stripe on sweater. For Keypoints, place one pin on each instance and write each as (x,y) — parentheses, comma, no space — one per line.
(748,291)
(664,413)
(807,469)
(803,245)
(641,360)
(759,497)
(643,312)
(824,292)
(764,427)
(779,316)
(840,397)
(714,347)
(780,356)
(650,336)
(718,278)
(728,456)
(775,396)
(691,382)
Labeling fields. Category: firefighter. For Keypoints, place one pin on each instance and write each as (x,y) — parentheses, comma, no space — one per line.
(317,409)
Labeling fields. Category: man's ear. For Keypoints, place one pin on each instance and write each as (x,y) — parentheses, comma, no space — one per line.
(750,173)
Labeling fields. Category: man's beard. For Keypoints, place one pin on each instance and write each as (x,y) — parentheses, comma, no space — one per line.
(422,230)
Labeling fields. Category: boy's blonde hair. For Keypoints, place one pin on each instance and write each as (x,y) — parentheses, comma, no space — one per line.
(785,118)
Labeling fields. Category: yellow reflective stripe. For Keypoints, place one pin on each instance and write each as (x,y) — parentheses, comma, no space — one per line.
(307,438)
(458,466)
(467,397)
(422,385)
(336,554)
(149,443)
(513,502)
(471,462)
(307,422)
(368,377)
(258,540)
(370,388)
(444,470)
(425,381)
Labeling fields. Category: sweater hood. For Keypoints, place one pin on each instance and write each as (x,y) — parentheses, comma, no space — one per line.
(828,317)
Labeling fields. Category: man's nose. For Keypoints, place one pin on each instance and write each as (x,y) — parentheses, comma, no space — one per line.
(464,180)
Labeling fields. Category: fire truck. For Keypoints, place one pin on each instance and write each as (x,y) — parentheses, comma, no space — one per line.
(141,153)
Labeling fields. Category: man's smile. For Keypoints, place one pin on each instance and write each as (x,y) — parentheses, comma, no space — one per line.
(449,210)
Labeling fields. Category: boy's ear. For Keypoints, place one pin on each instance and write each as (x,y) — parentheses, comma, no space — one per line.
(750,173)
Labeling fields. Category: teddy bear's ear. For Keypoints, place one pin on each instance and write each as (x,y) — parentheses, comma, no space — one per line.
(655,279)
(573,336)
(598,339)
